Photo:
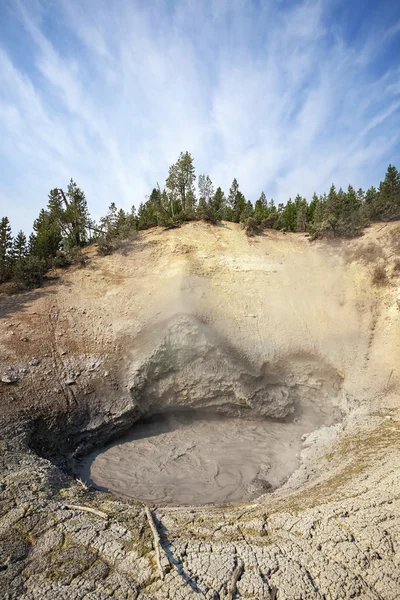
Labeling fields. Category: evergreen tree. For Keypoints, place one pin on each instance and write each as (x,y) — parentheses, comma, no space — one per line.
(236,202)
(108,223)
(219,204)
(301,213)
(20,246)
(181,177)
(70,212)
(271,215)
(76,215)
(6,243)
(46,241)
(261,208)
(311,209)
(372,203)
(247,212)
(289,216)
(352,217)
(332,211)
(206,188)
(388,205)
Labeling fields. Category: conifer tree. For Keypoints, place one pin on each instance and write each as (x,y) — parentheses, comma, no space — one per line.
(388,206)
(181,177)
(236,201)
(261,208)
(219,204)
(20,247)
(6,242)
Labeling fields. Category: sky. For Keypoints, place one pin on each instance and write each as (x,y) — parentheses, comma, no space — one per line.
(288,96)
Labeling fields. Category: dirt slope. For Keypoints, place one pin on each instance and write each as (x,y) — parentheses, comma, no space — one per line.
(302,317)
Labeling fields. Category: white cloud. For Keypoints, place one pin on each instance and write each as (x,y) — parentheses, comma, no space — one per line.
(111,93)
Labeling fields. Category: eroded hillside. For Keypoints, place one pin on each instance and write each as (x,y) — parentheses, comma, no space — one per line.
(203,317)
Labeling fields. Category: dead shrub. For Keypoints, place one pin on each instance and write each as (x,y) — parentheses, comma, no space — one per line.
(252,227)
(379,275)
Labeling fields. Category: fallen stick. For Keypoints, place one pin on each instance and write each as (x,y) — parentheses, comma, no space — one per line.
(383,227)
(93,511)
(156,538)
(235,576)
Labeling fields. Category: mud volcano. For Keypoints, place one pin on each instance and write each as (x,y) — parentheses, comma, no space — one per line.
(240,435)
(247,391)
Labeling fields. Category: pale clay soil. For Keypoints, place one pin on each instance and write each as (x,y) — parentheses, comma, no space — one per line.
(204,318)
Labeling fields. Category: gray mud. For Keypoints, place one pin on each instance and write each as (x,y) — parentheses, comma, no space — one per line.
(198,458)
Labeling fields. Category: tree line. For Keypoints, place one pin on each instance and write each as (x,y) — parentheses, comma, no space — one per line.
(65,225)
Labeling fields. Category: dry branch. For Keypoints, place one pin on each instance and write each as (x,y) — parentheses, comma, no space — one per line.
(156,538)
(94,511)
(235,576)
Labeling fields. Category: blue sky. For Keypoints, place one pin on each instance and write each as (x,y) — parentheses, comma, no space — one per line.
(286,96)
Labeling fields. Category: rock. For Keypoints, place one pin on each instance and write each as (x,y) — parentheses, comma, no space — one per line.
(259,486)
(24,339)
(70,381)
(10,378)
(35,362)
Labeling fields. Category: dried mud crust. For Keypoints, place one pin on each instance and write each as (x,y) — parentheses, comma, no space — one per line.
(331,532)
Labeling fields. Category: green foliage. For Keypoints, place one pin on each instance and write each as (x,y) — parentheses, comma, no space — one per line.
(28,272)
(388,201)
(252,227)
(6,244)
(46,240)
(236,202)
(20,246)
(180,181)
(339,214)
(218,204)
(64,226)
(261,208)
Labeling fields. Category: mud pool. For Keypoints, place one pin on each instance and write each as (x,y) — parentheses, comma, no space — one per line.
(202,458)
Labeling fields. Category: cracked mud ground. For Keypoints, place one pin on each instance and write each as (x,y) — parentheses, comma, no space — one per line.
(284,319)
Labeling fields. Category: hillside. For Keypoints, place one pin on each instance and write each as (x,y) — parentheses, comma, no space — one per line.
(202,317)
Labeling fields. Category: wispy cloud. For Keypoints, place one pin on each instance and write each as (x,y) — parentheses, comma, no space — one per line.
(274,94)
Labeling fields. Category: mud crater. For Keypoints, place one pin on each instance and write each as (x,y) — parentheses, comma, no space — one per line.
(201,423)
(197,457)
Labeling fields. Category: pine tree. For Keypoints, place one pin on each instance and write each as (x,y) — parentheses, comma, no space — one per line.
(261,208)
(181,177)
(206,188)
(76,215)
(333,210)
(6,242)
(352,218)
(389,195)
(108,223)
(289,216)
(46,241)
(247,211)
(301,213)
(372,203)
(20,247)
(236,202)
(219,204)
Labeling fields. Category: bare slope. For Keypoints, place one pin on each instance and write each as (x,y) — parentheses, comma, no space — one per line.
(141,331)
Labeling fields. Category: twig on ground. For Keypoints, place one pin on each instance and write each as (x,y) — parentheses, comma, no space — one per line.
(94,511)
(235,576)
(156,538)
